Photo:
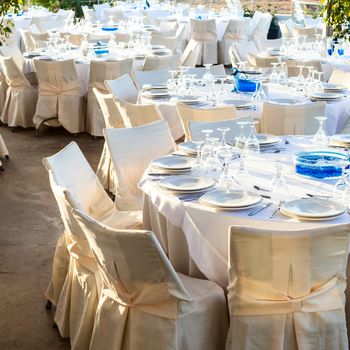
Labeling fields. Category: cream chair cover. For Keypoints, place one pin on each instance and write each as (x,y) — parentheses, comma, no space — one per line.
(280,119)
(259,34)
(195,129)
(188,113)
(170,42)
(309,32)
(3,149)
(39,40)
(340,77)
(99,72)
(122,37)
(145,304)
(12,50)
(191,54)
(123,88)
(60,95)
(218,70)
(70,170)
(99,8)
(243,48)
(262,62)
(284,30)
(29,44)
(73,38)
(286,288)
(114,13)
(105,171)
(234,59)
(89,14)
(137,114)
(21,96)
(150,77)
(287,28)
(132,150)
(204,33)
(43,23)
(3,91)
(161,62)
(236,30)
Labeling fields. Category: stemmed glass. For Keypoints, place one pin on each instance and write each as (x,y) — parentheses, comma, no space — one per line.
(206,149)
(341,187)
(301,75)
(283,78)
(258,97)
(320,137)
(197,166)
(221,94)
(252,145)
(208,76)
(279,186)
(274,77)
(241,139)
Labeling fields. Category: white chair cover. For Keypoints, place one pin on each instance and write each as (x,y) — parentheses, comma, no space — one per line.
(170,42)
(43,23)
(218,70)
(188,113)
(99,72)
(132,150)
(89,14)
(150,77)
(161,62)
(3,91)
(288,28)
(243,48)
(12,50)
(191,54)
(99,8)
(309,32)
(73,38)
(143,296)
(123,88)
(286,288)
(195,129)
(262,62)
(236,30)
(114,13)
(21,96)
(259,34)
(39,40)
(280,119)
(3,149)
(60,95)
(340,77)
(204,33)
(28,42)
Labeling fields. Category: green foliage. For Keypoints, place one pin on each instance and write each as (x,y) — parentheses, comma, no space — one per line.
(337,17)
(249,11)
(52,5)
(6,25)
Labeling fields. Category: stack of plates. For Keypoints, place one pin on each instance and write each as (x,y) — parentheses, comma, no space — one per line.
(239,104)
(340,140)
(188,147)
(161,52)
(233,200)
(157,47)
(189,100)
(154,86)
(266,140)
(329,87)
(326,96)
(313,209)
(173,163)
(156,93)
(186,183)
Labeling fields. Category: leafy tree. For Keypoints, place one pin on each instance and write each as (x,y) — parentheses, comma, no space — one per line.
(6,25)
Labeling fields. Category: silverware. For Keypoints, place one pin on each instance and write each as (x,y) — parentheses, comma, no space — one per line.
(318,196)
(277,209)
(258,210)
(260,188)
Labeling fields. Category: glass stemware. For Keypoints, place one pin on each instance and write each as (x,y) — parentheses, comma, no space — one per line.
(241,139)
(274,77)
(206,149)
(208,76)
(198,166)
(320,137)
(252,145)
(342,185)
(279,192)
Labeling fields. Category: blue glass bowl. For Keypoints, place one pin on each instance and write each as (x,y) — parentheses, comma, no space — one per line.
(110,29)
(245,85)
(319,164)
(101,51)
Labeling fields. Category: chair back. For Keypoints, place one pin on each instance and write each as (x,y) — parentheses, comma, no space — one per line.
(14,76)
(191,54)
(203,30)
(29,44)
(237,29)
(12,50)
(115,13)
(161,62)
(278,119)
(169,42)
(340,77)
(123,88)
(132,150)
(243,48)
(99,8)
(150,77)
(39,40)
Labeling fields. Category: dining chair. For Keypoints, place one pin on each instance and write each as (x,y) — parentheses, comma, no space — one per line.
(262,62)
(236,30)
(89,14)
(216,70)
(114,13)
(293,66)
(99,8)
(299,119)
(43,23)
(170,42)
(3,92)
(287,28)
(73,287)
(141,78)
(308,32)
(122,37)
(132,150)
(12,50)
(123,88)
(21,96)
(100,71)
(243,48)
(27,39)
(73,38)
(3,149)
(286,288)
(61,100)
(161,62)
(189,113)
(105,171)
(195,129)
(39,39)
(234,58)
(142,295)
(340,77)
(191,54)
(259,25)
(204,33)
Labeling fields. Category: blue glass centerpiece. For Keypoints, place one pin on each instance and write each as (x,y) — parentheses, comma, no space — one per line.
(320,164)
(246,80)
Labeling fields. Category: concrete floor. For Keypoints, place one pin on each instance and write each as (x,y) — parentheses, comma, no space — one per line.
(29,227)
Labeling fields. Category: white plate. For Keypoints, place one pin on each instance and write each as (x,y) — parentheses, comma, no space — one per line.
(313,208)
(333,87)
(188,99)
(340,140)
(266,139)
(173,162)
(186,183)
(239,104)
(326,96)
(188,147)
(154,86)
(233,200)
(157,93)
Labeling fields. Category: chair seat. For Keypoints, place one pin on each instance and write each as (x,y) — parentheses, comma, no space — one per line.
(124,219)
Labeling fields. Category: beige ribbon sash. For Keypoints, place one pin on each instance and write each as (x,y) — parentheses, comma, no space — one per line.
(65,89)
(255,298)
(80,251)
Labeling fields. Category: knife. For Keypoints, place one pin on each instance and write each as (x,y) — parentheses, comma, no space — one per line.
(255,211)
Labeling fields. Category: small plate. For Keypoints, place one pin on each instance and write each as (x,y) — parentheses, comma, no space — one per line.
(173,162)
(186,183)
(233,200)
(340,140)
(284,101)
(188,99)
(188,147)
(266,139)
(313,209)
(154,86)
(333,87)
(326,96)
(239,104)
(155,94)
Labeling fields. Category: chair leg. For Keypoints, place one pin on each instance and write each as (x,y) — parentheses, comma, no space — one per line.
(7,156)
(43,121)
(48,305)
(13,129)
(1,168)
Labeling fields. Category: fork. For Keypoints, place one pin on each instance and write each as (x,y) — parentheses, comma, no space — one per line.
(277,209)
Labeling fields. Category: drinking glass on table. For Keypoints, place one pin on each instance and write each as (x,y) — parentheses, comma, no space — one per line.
(280,191)
(252,145)
(198,166)
(341,188)
(274,77)
(208,77)
(320,137)
(206,148)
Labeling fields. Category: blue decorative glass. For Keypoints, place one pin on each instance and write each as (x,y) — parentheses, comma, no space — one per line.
(330,51)
(101,51)
(245,85)
(110,29)
(341,52)
(319,164)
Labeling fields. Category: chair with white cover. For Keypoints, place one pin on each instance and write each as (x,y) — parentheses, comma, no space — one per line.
(113,119)
(73,287)
(137,114)
(61,100)
(12,50)
(191,54)
(286,288)
(216,70)
(39,40)
(259,34)
(73,38)
(150,77)
(161,62)
(132,150)
(115,14)
(262,62)
(3,149)
(142,295)
(204,33)
(27,39)
(278,119)
(236,30)
(170,42)
(43,23)
(99,72)
(123,88)
(308,32)
(195,128)
(242,49)
(89,14)
(340,77)
(99,8)
(21,96)
(287,28)
(189,113)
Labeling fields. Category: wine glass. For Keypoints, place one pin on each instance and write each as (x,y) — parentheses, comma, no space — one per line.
(279,192)
(197,166)
(241,139)
(252,145)
(208,76)
(342,185)
(274,77)
(206,149)
(320,137)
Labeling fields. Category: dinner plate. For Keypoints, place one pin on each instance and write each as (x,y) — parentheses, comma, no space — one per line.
(313,208)
(333,87)
(188,99)
(239,104)
(232,200)
(155,94)
(266,139)
(188,147)
(154,86)
(340,140)
(326,96)
(157,47)
(186,183)
(173,162)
